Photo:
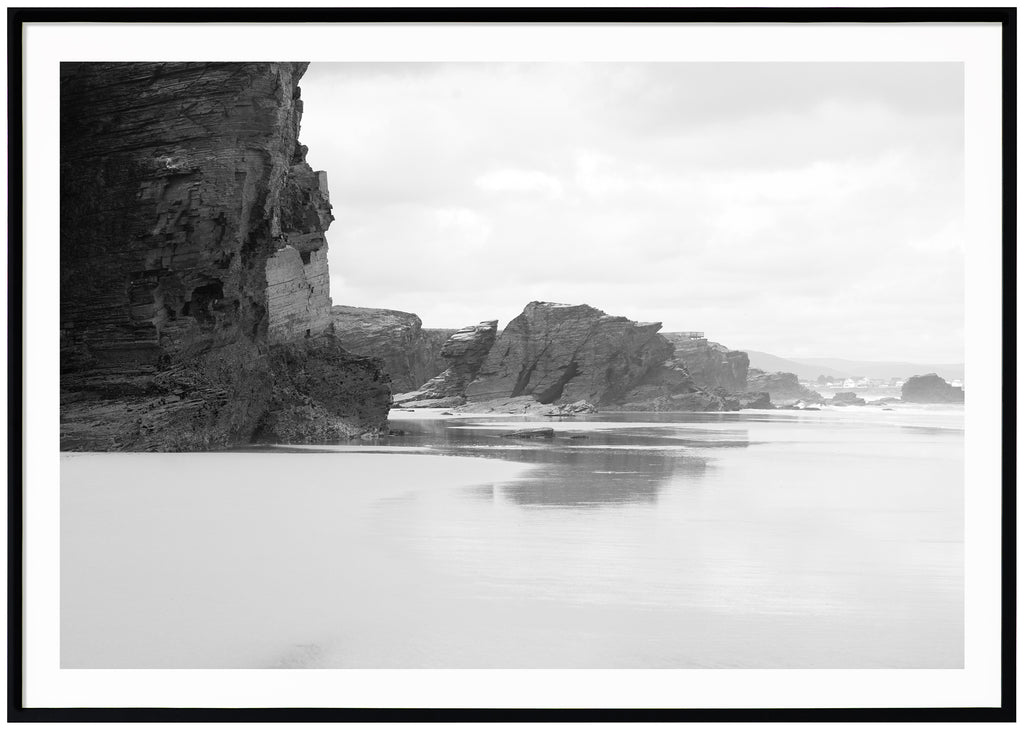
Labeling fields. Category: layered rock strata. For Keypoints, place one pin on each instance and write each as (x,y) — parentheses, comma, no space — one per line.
(930,388)
(526,405)
(411,354)
(566,353)
(465,352)
(193,263)
(298,281)
(570,357)
(669,387)
(710,364)
(782,387)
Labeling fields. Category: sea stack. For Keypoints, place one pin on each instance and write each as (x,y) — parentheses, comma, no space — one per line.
(567,353)
(930,388)
(782,387)
(465,352)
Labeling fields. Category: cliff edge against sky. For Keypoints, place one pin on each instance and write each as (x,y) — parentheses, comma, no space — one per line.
(193,266)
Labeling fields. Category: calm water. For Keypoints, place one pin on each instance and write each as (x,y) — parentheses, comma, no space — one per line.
(753,539)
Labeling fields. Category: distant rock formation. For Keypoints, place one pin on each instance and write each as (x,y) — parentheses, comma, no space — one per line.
(561,352)
(566,354)
(930,388)
(783,387)
(669,387)
(698,376)
(193,271)
(847,399)
(410,353)
(465,352)
(710,364)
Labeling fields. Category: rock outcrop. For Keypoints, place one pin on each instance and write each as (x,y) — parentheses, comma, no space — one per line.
(710,364)
(315,382)
(699,376)
(930,388)
(526,405)
(298,282)
(465,352)
(410,353)
(565,353)
(669,387)
(193,273)
(783,387)
(847,399)
(761,400)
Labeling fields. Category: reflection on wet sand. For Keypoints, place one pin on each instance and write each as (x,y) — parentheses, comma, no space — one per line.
(599,469)
(596,478)
(671,540)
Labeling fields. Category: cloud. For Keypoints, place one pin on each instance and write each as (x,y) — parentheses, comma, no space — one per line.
(510,180)
(811,209)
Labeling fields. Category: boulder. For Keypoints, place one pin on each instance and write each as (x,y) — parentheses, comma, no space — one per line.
(847,399)
(930,388)
(531,433)
(883,401)
(580,406)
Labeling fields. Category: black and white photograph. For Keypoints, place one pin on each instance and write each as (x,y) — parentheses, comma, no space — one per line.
(514,364)
(605,366)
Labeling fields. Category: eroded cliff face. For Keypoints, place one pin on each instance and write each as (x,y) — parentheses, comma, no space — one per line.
(298,280)
(193,261)
(669,387)
(411,354)
(465,352)
(782,387)
(710,364)
(567,353)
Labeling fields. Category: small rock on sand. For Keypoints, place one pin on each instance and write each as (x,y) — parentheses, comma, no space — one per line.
(531,433)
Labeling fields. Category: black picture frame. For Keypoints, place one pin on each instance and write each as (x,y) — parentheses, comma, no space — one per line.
(18,17)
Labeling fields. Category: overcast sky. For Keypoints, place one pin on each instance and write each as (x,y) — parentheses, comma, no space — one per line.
(798,209)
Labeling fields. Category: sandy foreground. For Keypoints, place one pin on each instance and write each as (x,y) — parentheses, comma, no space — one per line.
(236,559)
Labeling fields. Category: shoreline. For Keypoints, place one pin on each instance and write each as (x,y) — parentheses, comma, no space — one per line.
(422,414)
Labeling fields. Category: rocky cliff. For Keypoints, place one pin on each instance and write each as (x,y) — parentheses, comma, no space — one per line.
(710,364)
(669,387)
(566,353)
(557,358)
(782,387)
(930,388)
(465,351)
(193,266)
(411,354)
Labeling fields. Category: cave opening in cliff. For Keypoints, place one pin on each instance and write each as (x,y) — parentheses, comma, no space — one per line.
(554,392)
(204,298)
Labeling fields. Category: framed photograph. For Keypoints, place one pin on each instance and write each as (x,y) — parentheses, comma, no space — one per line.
(512,364)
